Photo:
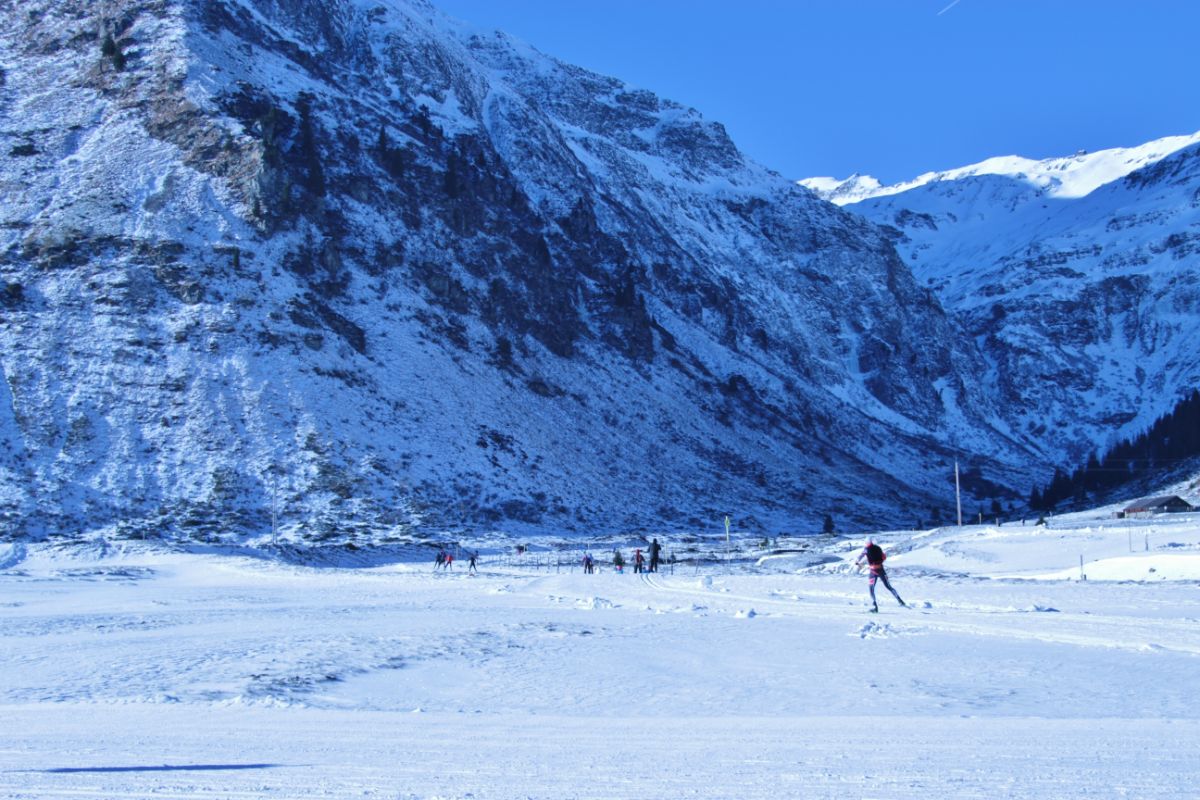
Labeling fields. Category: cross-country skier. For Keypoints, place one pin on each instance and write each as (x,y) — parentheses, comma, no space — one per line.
(875,557)
(618,561)
(471,565)
(655,549)
(639,560)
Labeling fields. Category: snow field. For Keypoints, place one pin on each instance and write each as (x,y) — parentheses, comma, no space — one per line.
(173,752)
(146,672)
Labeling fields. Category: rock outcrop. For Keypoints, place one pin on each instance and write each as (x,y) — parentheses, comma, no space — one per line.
(362,270)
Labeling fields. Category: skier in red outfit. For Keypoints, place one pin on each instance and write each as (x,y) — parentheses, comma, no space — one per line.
(875,557)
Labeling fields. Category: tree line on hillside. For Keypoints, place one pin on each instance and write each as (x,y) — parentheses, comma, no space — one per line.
(1174,437)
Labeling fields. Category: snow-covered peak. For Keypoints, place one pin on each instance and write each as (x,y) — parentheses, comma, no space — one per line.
(1083,260)
(842,192)
(1071,176)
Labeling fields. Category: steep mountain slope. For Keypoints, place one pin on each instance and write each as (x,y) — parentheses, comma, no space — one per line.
(1081,290)
(363,268)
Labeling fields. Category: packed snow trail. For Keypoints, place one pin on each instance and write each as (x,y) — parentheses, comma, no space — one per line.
(1087,629)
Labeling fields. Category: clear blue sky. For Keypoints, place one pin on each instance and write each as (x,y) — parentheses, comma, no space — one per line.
(891,88)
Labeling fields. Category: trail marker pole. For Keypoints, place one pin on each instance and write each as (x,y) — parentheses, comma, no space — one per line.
(957,493)
(274,528)
(728,553)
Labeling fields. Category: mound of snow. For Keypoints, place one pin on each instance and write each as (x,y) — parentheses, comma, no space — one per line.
(1162,548)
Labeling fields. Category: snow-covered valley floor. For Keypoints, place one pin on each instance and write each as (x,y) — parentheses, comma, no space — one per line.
(143,672)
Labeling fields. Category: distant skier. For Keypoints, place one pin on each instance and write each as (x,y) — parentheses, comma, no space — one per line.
(655,549)
(875,557)
(440,560)
(449,561)
(471,564)
(589,564)
(618,561)
(639,561)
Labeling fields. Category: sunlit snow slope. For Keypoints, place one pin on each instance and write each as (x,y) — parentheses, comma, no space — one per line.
(1079,279)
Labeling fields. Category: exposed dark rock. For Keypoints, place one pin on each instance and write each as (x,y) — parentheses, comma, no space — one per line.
(436,285)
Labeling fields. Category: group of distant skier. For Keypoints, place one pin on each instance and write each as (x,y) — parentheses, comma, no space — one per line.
(640,562)
(445,561)
(871,553)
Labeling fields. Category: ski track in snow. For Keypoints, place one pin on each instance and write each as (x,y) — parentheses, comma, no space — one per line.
(1114,632)
(149,673)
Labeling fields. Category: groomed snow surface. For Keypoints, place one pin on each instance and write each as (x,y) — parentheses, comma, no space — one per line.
(147,671)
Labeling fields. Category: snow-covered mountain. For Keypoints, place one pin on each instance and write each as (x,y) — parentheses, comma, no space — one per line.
(1072,176)
(1079,278)
(841,192)
(366,268)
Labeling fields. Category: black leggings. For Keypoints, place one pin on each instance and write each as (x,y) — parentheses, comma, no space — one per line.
(881,575)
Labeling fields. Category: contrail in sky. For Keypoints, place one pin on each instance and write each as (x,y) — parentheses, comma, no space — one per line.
(947,8)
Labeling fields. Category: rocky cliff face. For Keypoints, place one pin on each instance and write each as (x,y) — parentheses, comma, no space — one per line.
(365,268)
(1079,278)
